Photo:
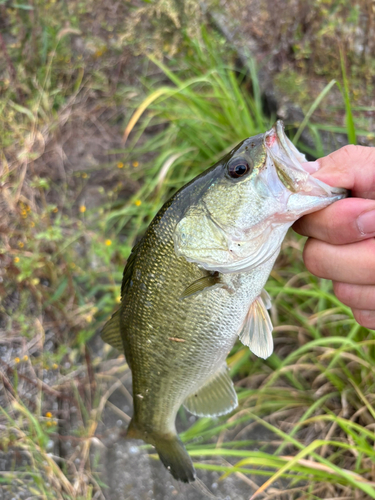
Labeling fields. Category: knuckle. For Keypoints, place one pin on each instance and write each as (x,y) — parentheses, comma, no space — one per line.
(355,152)
(343,154)
(350,150)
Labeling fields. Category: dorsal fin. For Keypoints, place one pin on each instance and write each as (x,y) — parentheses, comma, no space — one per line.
(128,271)
(111,333)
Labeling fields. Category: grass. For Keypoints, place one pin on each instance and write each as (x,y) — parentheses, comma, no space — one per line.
(319,376)
(305,423)
(204,97)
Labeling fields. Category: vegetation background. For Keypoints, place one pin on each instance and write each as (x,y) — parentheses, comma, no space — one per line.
(106,108)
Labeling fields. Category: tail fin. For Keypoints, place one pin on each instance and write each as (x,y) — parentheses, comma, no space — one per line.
(175,458)
(171,451)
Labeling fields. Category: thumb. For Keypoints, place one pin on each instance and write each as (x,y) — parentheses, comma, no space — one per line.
(351,167)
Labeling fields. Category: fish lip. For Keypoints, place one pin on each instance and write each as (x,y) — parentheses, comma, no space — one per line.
(275,141)
(276,133)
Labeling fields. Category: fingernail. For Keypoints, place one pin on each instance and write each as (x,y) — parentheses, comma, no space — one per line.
(311,166)
(366,223)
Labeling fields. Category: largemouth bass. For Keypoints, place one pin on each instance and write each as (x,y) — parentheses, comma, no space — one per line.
(195,283)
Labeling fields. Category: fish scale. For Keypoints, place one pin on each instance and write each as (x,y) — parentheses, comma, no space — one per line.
(216,315)
(194,283)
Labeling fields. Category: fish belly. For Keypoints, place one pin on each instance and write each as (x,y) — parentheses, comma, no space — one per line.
(179,345)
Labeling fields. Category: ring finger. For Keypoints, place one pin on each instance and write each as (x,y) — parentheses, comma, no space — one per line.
(355,296)
(365,318)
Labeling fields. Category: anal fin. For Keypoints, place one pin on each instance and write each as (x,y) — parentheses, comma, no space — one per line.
(256,332)
(111,333)
(216,397)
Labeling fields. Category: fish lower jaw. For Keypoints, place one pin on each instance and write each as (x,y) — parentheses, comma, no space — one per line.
(302,204)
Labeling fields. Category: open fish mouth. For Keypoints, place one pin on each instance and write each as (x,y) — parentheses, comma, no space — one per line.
(287,161)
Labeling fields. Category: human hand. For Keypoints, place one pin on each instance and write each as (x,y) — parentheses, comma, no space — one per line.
(341,244)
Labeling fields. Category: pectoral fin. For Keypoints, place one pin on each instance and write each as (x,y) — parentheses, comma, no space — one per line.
(216,397)
(257,329)
(111,333)
(210,281)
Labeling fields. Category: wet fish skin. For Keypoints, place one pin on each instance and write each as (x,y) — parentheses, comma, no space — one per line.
(195,282)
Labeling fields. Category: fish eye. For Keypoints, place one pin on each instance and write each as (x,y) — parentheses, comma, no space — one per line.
(238,167)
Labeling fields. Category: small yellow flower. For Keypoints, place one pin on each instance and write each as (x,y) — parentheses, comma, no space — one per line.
(55,366)
(16,259)
(25,358)
(82,209)
(17,360)
(28,208)
(120,164)
(32,224)
(54,422)
(135,164)
(138,203)
(84,175)
(35,281)
(55,210)
(108,242)
(23,213)
(20,244)
(49,414)
(49,423)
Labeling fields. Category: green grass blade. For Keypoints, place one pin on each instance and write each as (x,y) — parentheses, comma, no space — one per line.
(313,107)
(352,138)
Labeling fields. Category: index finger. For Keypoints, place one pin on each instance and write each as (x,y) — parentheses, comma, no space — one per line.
(345,221)
(351,167)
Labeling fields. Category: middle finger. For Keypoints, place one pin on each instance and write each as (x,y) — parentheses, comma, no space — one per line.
(353,263)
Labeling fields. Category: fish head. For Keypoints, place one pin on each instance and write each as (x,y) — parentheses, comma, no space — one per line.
(255,194)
